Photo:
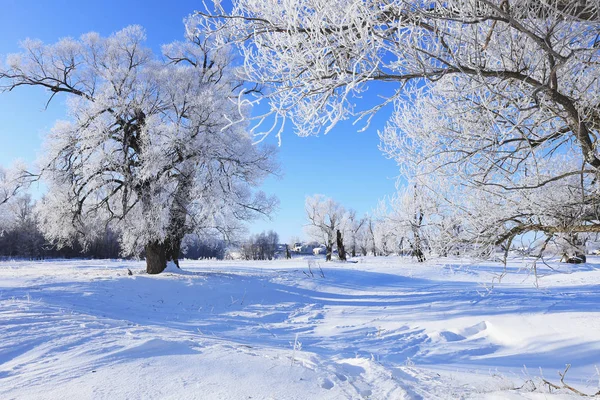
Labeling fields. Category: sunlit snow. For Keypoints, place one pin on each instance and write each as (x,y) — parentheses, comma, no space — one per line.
(381,328)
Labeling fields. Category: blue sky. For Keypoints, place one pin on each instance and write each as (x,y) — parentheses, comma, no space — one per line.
(344,164)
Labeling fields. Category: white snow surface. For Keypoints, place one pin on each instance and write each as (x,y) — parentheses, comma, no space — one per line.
(380,328)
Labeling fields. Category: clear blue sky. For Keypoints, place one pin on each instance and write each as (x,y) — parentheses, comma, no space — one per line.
(344,164)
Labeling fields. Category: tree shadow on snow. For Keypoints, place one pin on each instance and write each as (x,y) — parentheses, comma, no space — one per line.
(346,314)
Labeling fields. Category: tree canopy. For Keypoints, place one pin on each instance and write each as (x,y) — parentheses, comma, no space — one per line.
(495,101)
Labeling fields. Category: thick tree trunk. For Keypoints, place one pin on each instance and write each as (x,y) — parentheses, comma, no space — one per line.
(156,260)
(340,246)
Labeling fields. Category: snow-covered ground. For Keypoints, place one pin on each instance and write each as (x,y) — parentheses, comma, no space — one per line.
(381,328)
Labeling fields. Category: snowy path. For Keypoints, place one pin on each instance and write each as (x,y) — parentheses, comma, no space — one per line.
(380,329)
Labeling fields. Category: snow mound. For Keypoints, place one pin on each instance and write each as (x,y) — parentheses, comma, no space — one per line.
(475,329)
(451,336)
(172,268)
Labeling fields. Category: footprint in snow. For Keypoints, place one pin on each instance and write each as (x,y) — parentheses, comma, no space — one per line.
(341,377)
(326,383)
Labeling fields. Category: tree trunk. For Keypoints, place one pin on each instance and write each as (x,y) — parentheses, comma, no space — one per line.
(418,246)
(418,250)
(340,246)
(328,249)
(372,232)
(419,254)
(287,252)
(156,260)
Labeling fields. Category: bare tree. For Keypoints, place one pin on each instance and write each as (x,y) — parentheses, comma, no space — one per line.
(324,219)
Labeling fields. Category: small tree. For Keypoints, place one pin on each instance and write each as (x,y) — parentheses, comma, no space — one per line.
(354,226)
(324,219)
(370,236)
(406,219)
(363,237)
(19,235)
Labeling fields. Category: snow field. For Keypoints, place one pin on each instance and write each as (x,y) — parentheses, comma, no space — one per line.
(382,328)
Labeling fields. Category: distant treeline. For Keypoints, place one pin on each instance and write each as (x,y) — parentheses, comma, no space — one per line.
(262,246)
(21,238)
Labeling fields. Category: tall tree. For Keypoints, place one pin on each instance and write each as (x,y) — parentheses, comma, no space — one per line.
(408,219)
(150,146)
(354,226)
(324,221)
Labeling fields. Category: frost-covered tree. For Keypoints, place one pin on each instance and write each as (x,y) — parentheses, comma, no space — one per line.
(150,146)
(370,236)
(19,234)
(503,94)
(262,246)
(363,236)
(325,217)
(407,220)
(495,158)
(12,180)
(319,54)
(354,226)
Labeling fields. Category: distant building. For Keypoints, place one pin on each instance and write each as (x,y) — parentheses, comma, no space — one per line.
(297,248)
(319,250)
(305,248)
